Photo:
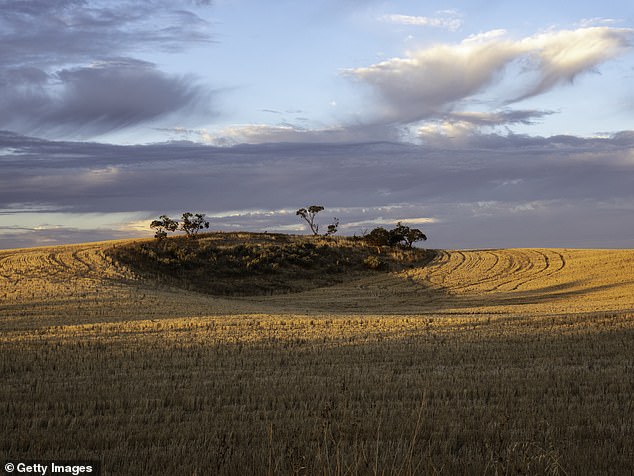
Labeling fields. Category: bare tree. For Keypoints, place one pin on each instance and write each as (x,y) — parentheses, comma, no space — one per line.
(309,215)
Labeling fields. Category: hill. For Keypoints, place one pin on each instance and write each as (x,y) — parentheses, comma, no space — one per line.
(135,279)
(514,361)
(245,264)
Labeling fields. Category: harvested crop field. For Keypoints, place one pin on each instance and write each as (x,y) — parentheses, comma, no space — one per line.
(514,361)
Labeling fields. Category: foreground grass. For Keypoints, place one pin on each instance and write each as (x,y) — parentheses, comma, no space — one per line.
(262,394)
(480,362)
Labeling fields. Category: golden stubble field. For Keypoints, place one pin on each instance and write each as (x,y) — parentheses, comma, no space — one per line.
(482,362)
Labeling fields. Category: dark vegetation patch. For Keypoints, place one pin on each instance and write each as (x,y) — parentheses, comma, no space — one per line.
(242,264)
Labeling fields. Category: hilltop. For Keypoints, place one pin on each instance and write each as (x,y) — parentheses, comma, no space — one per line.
(246,264)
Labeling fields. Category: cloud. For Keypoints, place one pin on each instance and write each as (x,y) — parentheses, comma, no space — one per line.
(432,81)
(107,95)
(493,190)
(499,117)
(559,57)
(48,32)
(289,133)
(596,21)
(428,82)
(449,22)
(70,63)
(459,128)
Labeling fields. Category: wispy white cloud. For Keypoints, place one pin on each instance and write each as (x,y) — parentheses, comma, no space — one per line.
(265,133)
(596,21)
(450,21)
(430,82)
(456,127)
(382,221)
(560,56)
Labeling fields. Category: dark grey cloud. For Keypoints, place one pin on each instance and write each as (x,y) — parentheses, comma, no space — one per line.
(494,191)
(65,63)
(105,96)
(49,32)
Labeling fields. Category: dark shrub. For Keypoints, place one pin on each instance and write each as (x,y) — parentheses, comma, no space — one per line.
(378,237)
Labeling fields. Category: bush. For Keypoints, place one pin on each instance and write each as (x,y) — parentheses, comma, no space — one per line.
(378,237)
(374,262)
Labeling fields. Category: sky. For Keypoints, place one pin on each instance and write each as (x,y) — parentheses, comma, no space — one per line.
(485,124)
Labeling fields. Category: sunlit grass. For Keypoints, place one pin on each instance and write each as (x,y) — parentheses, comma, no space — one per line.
(498,362)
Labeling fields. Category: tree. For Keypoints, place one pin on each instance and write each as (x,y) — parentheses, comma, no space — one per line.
(414,235)
(400,235)
(333,227)
(406,236)
(309,217)
(192,224)
(378,237)
(162,226)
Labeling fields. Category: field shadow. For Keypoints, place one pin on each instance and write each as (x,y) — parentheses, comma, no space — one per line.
(395,294)
(311,279)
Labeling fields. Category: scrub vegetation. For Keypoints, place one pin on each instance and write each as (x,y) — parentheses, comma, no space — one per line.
(444,362)
(261,263)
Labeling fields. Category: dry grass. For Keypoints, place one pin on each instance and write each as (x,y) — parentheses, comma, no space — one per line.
(483,362)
